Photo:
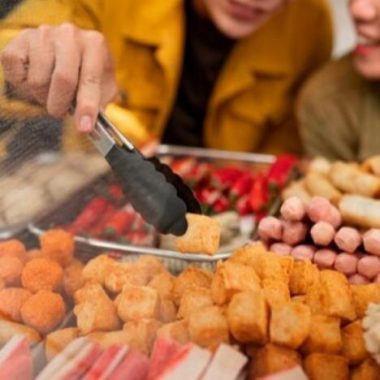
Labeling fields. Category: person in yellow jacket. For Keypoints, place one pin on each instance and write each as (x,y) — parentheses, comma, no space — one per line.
(215,73)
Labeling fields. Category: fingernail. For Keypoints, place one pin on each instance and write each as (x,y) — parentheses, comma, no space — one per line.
(85,124)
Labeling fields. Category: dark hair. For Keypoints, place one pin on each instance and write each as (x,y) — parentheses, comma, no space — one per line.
(7,5)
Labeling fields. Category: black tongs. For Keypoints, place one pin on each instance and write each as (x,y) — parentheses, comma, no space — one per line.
(158,194)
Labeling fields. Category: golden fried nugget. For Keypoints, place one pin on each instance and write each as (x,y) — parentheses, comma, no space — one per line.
(247,316)
(10,270)
(324,336)
(326,367)
(72,278)
(14,248)
(290,325)
(177,331)
(314,298)
(136,302)
(151,266)
(363,295)
(271,359)
(231,278)
(111,338)
(56,341)
(11,300)
(368,370)
(287,263)
(91,291)
(193,300)
(272,269)
(353,343)
(251,254)
(202,235)
(42,274)
(9,329)
(98,269)
(336,295)
(208,327)
(276,293)
(303,275)
(164,284)
(58,245)
(168,311)
(43,311)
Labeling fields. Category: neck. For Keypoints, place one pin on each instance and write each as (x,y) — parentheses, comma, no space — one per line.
(200,8)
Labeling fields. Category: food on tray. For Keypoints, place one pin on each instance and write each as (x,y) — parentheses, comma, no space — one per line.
(13,247)
(371,326)
(194,299)
(10,270)
(11,301)
(324,366)
(354,349)
(296,373)
(72,278)
(318,185)
(56,341)
(177,331)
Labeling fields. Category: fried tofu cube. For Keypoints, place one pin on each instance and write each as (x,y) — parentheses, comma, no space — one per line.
(336,295)
(314,297)
(271,359)
(177,331)
(272,269)
(193,300)
(290,325)
(368,370)
(287,263)
(168,311)
(202,235)
(136,302)
(231,278)
(208,327)
(91,291)
(98,269)
(363,295)
(303,275)
(150,266)
(326,367)
(164,284)
(276,293)
(251,255)
(324,336)
(353,343)
(247,316)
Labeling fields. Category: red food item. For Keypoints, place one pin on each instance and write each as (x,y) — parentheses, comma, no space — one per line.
(259,195)
(225,177)
(243,205)
(183,166)
(208,196)
(116,192)
(222,204)
(98,229)
(119,222)
(280,171)
(134,367)
(241,187)
(139,238)
(199,173)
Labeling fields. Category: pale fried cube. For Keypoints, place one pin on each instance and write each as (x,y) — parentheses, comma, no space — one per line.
(326,367)
(336,295)
(272,269)
(271,359)
(314,297)
(91,291)
(98,269)
(353,343)
(368,370)
(177,331)
(208,327)
(136,302)
(231,278)
(202,235)
(164,284)
(108,339)
(150,266)
(251,255)
(290,324)
(363,295)
(168,311)
(193,300)
(324,336)
(287,262)
(276,293)
(56,341)
(247,316)
(303,275)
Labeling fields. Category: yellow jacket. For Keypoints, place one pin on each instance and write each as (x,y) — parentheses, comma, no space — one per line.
(251,107)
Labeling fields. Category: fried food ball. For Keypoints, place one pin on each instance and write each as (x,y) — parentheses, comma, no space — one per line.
(35,254)
(42,274)
(43,311)
(10,269)
(98,269)
(72,278)
(13,247)
(11,300)
(58,245)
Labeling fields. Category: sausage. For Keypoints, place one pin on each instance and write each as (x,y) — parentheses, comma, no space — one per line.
(293,232)
(369,266)
(348,239)
(325,258)
(304,251)
(322,233)
(334,217)
(358,279)
(346,263)
(371,240)
(293,209)
(281,249)
(270,228)
(318,208)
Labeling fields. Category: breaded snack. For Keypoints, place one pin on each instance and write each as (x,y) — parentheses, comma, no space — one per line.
(35,254)
(56,341)
(353,343)
(301,299)
(193,300)
(177,331)
(271,268)
(168,311)
(276,293)
(14,248)
(287,263)
(208,327)
(363,295)
(91,291)
(368,370)
(11,300)
(271,359)
(43,311)
(9,329)
(318,185)
(231,278)
(98,268)
(42,274)
(290,324)
(58,245)
(251,254)
(136,302)
(10,269)
(202,235)
(72,278)
(247,316)
(324,336)
(164,284)
(151,265)
(326,367)
(303,275)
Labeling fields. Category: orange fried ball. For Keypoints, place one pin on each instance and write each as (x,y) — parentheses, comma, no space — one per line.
(42,274)
(43,311)
(10,269)
(58,245)
(11,301)
(34,254)
(14,248)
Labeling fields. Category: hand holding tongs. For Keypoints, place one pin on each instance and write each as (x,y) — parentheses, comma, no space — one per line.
(159,195)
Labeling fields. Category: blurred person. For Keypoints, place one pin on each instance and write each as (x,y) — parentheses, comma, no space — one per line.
(214,73)
(339,108)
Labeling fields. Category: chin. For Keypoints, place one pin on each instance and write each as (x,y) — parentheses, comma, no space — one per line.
(369,70)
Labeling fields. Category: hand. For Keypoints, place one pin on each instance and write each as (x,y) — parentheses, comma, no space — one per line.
(59,67)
